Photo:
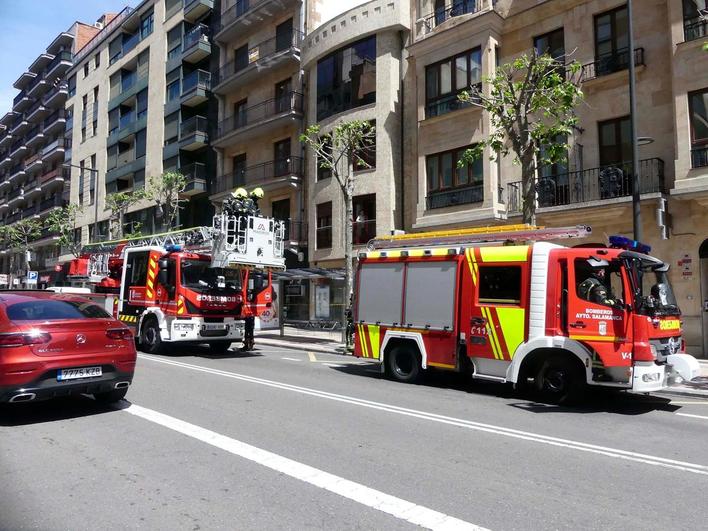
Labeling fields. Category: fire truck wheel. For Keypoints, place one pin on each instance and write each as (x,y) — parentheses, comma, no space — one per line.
(150,340)
(403,364)
(219,347)
(559,381)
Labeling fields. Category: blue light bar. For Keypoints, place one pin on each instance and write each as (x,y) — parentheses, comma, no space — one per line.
(620,242)
(173,248)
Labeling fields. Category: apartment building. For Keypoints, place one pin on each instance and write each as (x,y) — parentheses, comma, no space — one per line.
(354,64)
(33,144)
(140,106)
(456,43)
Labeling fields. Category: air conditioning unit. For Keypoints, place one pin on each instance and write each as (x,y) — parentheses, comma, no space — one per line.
(98,25)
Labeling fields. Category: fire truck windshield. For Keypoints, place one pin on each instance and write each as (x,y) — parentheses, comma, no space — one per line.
(654,295)
(197,275)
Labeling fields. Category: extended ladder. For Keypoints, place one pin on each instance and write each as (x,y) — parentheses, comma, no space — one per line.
(499,234)
(195,238)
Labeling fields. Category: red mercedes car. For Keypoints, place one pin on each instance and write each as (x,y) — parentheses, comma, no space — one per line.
(56,344)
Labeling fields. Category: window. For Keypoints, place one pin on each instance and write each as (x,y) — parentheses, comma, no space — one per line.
(97,60)
(41,309)
(347,78)
(324,172)
(84,104)
(174,42)
(442,171)
(611,41)
(551,43)
(86,69)
(500,284)
(240,113)
(71,86)
(142,104)
(92,184)
(95,96)
(172,128)
(615,141)
(239,167)
(324,225)
(82,165)
(284,35)
(140,140)
(281,157)
(95,127)
(364,222)
(146,22)
(698,110)
(365,158)
(444,81)
(83,134)
(241,58)
(695,24)
(173,91)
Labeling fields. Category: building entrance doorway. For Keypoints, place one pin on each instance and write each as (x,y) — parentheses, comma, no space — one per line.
(703,254)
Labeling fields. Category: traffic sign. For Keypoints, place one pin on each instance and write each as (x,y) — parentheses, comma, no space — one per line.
(32,277)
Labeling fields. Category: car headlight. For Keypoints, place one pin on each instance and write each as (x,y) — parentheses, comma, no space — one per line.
(651,377)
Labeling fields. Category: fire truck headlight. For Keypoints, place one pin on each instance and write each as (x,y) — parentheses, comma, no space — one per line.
(651,377)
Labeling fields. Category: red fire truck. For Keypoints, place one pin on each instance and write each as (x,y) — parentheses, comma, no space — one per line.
(477,300)
(190,286)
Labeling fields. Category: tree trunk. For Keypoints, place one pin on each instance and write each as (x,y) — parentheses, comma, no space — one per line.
(348,229)
(528,186)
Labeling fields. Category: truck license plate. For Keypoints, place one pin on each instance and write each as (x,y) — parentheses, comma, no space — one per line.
(214,326)
(81,372)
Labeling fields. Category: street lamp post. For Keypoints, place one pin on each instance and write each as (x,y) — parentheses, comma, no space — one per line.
(94,180)
(636,198)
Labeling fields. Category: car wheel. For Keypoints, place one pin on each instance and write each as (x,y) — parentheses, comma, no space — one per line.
(111,397)
(219,347)
(150,340)
(403,364)
(558,381)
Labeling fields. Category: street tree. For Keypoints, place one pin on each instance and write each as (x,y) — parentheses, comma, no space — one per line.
(20,235)
(64,221)
(531,104)
(166,192)
(119,203)
(339,151)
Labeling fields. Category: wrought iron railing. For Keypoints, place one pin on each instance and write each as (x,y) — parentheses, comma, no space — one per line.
(695,28)
(594,184)
(699,157)
(261,52)
(260,173)
(295,230)
(451,9)
(194,171)
(611,62)
(260,112)
(456,196)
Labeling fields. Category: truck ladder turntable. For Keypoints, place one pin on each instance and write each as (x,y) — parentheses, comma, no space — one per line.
(496,235)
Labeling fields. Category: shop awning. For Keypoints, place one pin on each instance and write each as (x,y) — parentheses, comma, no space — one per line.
(309,273)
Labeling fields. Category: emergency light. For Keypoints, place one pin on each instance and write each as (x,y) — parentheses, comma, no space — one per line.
(621,242)
(173,248)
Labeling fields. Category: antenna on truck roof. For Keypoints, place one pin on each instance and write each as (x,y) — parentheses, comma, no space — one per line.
(498,233)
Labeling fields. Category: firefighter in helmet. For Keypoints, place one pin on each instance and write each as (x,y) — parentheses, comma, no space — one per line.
(233,204)
(593,288)
(255,196)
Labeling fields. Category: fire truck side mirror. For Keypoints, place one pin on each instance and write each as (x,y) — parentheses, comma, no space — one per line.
(162,272)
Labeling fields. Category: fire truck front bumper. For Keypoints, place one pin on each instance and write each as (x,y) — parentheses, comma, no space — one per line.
(650,376)
(196,330)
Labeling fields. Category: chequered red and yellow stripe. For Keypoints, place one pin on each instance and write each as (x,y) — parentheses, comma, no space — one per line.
(369,337)
(151,275)
(180,305)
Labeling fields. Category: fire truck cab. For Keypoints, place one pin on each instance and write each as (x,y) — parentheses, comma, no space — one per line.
(516,313)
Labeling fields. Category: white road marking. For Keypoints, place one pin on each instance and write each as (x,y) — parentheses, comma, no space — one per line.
(397,507)
(334,365)
(291,359)
(452,421)
(692,416)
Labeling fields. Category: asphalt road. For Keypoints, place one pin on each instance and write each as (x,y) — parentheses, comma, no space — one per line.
(282,439)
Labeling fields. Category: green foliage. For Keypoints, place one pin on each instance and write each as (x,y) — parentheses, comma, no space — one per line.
(165,192)
(531,106)
(119,203)
(64,221)
(20,234)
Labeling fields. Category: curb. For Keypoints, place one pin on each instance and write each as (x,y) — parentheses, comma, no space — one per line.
(302,347)
(699,393)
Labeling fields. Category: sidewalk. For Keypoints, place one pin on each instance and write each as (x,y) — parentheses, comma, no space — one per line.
(331,343)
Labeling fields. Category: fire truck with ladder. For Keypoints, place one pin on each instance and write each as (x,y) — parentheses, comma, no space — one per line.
(505,304)
(194,285)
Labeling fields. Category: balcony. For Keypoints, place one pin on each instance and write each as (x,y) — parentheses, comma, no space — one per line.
(55,122)
(5,160)
(38,87)
(259,119)
(363,231)
(18,149)
(20,125)
(695,28)
(193,133)
(448,103)
(32,188)
(16,172)
(127,127)
(610,63)
(33,163)
(268,175)
(195,9)
(60,65)
(129,86)
(456,196)
(56,149)
(57,96)
(605,183)
(9,220)
(195,88)
(269,55)
(7,139)
(21,101)
(51,204)
(126,166)
(34,137)
(40,63)
(196,178)
(57,175)
(699,157)
(30,212)
(37,112)
(23,80)
(452,9)
(295,231)
(196,45)
(129,43)
(16,193)
(245,15)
